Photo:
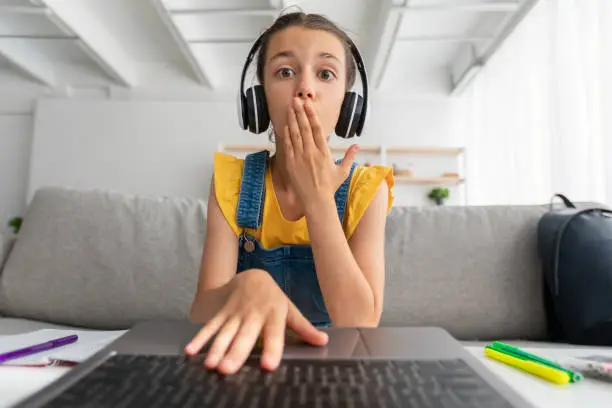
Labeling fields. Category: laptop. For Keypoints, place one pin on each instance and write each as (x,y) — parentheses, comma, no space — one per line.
(373,367)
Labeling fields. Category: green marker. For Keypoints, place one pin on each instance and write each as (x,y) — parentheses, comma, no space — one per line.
(523,355)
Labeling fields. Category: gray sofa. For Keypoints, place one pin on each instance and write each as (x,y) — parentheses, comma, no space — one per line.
(106,260)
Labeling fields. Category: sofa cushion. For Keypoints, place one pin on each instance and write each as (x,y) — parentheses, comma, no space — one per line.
(103,259)
(473,270)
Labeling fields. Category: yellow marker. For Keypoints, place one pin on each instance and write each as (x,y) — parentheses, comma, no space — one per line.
(540,370)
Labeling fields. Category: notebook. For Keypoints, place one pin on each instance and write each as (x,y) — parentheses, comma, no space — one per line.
(89,342)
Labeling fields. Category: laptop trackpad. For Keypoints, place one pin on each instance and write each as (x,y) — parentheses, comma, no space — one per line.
(343,343)
(170,338)
(410,343)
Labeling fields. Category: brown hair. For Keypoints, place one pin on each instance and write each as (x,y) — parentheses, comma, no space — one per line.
(313,22)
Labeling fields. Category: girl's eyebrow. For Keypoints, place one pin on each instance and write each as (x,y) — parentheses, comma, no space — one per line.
(327,55)
(281,55)
(289,54)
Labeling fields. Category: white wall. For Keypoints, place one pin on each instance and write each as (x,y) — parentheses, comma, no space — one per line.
(166,148)
(17,96)
(15,143)
(538,119)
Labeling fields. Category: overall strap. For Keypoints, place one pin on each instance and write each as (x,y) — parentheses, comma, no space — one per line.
(341,195)
(252,191)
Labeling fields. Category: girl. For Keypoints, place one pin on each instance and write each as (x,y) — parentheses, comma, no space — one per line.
(294,240)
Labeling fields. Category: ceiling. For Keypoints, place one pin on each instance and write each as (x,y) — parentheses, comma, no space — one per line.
(71,46)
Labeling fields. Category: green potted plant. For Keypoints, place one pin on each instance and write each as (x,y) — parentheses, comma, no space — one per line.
(438,195)
(15,224)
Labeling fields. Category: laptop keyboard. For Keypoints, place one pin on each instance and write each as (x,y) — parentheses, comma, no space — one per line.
(167,381)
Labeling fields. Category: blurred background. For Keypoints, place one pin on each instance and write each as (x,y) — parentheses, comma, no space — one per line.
(498,101)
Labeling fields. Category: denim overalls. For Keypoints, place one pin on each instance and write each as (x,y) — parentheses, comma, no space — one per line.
(291,266)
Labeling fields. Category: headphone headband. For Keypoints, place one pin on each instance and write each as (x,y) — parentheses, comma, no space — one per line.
(364,80)
(248,61)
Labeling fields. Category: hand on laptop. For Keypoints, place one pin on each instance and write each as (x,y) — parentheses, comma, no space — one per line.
(255,305)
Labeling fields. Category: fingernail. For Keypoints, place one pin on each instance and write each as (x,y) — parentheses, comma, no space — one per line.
(270,361)
(227,365)
(190,348)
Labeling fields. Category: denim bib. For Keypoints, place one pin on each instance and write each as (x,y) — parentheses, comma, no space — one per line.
(291,266)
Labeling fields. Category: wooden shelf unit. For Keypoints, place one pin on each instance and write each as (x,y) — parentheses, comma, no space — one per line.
(384,151)
(429,180)
(244,148)
(426,151)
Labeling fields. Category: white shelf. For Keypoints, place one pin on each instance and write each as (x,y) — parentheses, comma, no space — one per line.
(429,180)
(404,150)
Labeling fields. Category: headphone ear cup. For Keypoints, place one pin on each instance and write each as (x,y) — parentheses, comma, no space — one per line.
(362,118)
(343,118)
(350,115)
(242,111)
(257,110)
(357,118)
(262,109)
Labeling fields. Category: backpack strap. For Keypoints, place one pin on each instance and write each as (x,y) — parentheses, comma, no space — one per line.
(566,201)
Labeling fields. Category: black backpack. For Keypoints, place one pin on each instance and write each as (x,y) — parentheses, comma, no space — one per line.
(575,247)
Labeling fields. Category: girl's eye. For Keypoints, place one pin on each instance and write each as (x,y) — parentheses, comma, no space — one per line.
(326,75)
(285,73)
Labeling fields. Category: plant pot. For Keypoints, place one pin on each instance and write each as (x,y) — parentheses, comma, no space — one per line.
(439,201)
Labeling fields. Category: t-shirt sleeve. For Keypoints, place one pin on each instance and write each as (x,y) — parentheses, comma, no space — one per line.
(364,185)
(227,179)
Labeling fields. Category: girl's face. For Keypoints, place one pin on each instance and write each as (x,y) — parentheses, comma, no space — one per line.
(307,64)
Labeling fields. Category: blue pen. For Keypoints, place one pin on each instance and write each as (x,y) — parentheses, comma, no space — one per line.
(37,348)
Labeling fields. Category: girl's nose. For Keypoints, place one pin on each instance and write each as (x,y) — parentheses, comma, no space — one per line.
(305,93)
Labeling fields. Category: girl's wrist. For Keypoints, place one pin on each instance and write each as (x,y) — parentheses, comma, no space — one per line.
(319,204)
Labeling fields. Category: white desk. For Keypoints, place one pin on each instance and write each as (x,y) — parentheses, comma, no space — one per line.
(541,393)
(18,383)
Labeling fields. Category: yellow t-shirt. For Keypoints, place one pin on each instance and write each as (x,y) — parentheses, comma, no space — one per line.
(276,230)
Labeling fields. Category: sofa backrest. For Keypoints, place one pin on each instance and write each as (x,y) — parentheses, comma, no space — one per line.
(108,260)
(103,259)
(473,270)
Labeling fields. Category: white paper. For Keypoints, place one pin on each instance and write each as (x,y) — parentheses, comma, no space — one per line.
(89,342)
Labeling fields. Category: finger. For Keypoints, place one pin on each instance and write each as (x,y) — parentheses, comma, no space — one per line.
(304,124)
(205,333)
(302,327)
(294,132)
(242,345)
(287,142)
(349,159)
(273,341)
(222,342)
(315,126)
